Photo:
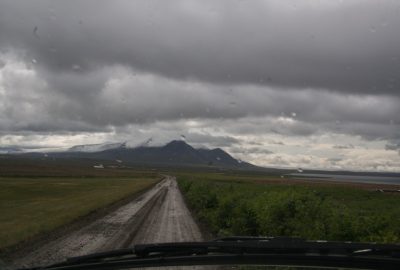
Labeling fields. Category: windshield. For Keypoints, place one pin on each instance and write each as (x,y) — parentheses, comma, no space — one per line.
(137,122)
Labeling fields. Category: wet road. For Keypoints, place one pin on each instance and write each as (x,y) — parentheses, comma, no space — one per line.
(159,215)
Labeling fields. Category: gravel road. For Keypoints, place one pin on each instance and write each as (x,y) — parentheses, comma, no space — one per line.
(159,215)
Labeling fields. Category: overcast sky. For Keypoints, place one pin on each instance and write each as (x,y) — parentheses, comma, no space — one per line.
(280,83)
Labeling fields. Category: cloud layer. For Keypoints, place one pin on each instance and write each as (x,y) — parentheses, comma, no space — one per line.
(349,47)
(236,75)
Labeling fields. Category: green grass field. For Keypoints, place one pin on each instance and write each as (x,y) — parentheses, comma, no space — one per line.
(235,204)
(34,205)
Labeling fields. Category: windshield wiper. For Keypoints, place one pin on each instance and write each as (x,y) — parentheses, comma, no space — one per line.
(281,251)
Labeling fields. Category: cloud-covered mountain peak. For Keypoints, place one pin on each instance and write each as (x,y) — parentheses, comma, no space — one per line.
(92,148)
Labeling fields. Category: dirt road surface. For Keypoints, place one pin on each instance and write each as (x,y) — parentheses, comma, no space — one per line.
(159,215)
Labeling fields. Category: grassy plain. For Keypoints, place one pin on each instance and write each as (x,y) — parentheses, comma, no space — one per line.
(256,204)
(38,197)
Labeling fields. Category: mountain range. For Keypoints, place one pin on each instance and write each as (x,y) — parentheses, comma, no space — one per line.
(177,153)
(10,150)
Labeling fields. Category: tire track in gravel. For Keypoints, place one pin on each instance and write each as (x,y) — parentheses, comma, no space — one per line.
(170,221)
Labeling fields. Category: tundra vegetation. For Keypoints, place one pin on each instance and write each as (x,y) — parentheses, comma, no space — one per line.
(40,199)
(35,206)
(231,204)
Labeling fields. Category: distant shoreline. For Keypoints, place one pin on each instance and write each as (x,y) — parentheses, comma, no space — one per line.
(345,178)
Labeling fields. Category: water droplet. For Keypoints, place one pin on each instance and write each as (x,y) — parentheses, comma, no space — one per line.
(76,67)
(218,158)
(35,32)
(294,114)
(300,170)
(372,29)
(34,61)
(183,137)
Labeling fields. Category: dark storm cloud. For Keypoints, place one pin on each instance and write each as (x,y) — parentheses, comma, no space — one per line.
(223,73)
(123,98)
(257,126)
(350,46)
(211,140)
(394,146)
(116,96)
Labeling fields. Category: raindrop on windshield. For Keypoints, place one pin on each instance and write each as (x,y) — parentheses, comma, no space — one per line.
(76,67)
(183,137)
(35,32)
(300,170)
(34,61)
(293,114)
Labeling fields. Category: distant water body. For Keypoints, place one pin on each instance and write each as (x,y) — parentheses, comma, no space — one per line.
(387,180)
